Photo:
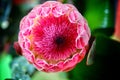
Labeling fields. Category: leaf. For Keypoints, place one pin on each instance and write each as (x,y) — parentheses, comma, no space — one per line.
(91,53)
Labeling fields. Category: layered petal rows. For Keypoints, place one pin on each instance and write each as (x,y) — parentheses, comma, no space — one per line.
(53,36)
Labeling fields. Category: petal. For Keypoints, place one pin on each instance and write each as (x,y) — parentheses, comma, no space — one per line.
(57,10)
(74,16)
(29,56)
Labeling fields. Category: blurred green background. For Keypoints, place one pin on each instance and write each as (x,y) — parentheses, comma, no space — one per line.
(101,17)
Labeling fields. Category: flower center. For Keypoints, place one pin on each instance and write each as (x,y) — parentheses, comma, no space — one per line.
(59,40)
(52,39)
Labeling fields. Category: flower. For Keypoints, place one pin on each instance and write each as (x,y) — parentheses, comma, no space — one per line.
(53,36)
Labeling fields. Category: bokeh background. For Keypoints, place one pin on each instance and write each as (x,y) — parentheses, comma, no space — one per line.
(101,61)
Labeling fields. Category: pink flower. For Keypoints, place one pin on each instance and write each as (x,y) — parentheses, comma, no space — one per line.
(53,36)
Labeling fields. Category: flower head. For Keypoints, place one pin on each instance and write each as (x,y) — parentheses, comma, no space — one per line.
(53,36)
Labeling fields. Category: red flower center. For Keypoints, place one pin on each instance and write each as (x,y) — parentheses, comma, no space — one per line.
(59,40)
(54,38)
